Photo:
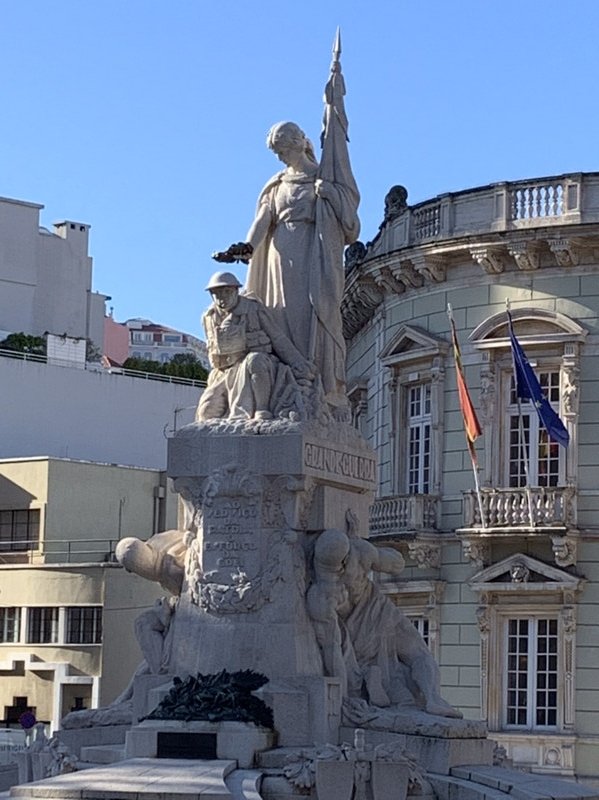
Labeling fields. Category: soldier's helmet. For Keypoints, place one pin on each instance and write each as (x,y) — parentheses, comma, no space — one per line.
(221,279)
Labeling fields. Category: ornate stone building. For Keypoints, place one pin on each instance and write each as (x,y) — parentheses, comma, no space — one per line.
(508,598)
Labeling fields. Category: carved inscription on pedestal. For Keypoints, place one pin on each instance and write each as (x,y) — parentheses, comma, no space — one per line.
(231,535)
(339,464)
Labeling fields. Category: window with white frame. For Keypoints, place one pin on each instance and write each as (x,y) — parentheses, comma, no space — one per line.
(10,624)
(418,424)
(527,622)
(51,624)
(84,625)
(552,341)
(42,625)
(531,674)
(528,443)
(142,336)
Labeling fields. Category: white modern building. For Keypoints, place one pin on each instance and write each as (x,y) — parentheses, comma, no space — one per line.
(508,599)
(46,276)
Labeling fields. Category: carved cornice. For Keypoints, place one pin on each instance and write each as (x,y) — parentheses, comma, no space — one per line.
(431,268)
(491,259)
(361,298)
(565,251)
(565,550)
(525,254)
(406,275)
(477,552)
(426,554)
(387,281)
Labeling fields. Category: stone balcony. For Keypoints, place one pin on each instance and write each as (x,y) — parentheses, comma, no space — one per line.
(411,519)
(418,245)
(520,514)
(404,513)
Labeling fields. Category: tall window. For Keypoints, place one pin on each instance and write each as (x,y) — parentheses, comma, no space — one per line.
(422,625)
(419,438)
(84,625)
(528,439)
(20,529)
(531,673)
(42,625)
(10,624)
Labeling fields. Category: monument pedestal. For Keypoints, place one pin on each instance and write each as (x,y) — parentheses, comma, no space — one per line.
(199,739)
(254,503)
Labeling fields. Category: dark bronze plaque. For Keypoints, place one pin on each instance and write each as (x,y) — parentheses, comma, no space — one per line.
(176,744)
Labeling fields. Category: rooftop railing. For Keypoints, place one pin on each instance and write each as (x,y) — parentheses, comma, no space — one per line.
(510,206)
(131,373)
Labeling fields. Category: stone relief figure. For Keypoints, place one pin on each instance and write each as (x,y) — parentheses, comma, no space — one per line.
(255,367)
(364,637)
(161,558)
(152,633)
(306,215)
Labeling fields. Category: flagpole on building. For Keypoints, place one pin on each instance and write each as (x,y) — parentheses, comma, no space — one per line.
(471,424)
(522,441)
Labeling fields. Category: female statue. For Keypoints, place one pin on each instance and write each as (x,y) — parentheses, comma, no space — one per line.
(306,215)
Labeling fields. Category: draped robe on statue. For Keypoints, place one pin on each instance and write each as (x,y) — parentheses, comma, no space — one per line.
(297,270)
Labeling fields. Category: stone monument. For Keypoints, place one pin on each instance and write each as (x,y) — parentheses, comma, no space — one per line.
(276,646)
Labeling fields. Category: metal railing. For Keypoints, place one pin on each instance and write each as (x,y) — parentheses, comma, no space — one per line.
(69,551)
(510,508)
(40,359)
(131,373)
(410,512)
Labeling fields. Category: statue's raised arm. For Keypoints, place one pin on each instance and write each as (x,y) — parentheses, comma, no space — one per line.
(306,215)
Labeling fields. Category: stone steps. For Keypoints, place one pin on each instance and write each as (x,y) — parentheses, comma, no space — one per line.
(479,782)
(138,779)
(103,753)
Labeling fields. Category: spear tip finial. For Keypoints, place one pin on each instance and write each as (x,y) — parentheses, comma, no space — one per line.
(337,45)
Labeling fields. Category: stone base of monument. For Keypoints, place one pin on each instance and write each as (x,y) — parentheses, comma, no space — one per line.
(305,710)
(77,738)
(256,498)
(199,739)
(433,753)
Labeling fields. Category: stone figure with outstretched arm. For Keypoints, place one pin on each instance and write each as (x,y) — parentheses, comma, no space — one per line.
(306,215)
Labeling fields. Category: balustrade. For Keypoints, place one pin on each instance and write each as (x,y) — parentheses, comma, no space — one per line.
(507,206)
(537,200)
(426,221)
(509,508)
(410,512)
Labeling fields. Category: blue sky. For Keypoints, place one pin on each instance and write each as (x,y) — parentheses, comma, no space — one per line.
(148,119)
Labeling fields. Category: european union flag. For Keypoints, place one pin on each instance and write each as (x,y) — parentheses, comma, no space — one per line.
(529,388)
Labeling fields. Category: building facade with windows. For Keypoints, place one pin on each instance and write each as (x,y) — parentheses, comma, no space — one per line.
(154,342)
(506,584)
(66,607)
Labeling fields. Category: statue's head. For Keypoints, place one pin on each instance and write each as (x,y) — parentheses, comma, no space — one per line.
(331,549)
(286,136)
(224,288)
